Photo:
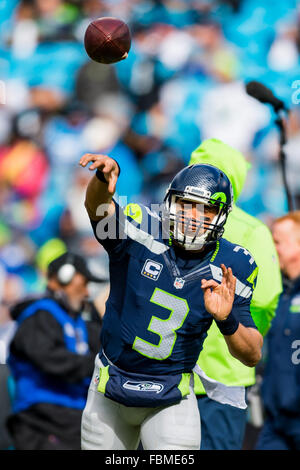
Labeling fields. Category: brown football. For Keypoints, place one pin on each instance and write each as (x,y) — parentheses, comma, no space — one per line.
(107,40)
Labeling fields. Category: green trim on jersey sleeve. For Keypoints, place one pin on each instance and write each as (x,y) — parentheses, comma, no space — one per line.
(251,279)
(134,211)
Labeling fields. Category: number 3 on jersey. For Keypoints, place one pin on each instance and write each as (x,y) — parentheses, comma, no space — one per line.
(166,329)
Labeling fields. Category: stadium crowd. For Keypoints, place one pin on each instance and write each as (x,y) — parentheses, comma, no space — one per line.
(183,82)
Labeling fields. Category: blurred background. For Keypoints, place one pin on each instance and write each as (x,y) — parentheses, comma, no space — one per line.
(183,81)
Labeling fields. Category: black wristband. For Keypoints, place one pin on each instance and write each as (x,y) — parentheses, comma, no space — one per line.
(101,176)
(229,326)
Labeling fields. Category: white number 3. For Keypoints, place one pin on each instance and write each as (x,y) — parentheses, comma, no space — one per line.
(165,329)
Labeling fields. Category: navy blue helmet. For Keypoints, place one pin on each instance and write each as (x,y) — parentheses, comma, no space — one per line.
(209,188)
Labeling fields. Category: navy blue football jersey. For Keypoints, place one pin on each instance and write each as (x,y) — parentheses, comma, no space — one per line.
(155,320)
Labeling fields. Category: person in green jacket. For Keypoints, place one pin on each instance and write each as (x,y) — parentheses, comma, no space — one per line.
(223,426)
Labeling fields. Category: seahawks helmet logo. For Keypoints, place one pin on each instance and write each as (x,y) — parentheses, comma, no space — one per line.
(143,386)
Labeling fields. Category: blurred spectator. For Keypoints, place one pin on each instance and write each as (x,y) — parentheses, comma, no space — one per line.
(10,290)
(105,133)
(281,383)
(292,153)
(93,81)
(5,409)
(48,252)
(229,114)
(55,19)
(283,54)
(63,137)
(51,358)
(217,56)
(24,36)
(23,164)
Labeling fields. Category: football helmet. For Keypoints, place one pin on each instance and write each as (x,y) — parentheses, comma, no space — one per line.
(211,190)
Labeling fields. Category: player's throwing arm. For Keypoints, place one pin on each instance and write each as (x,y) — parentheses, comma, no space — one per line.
(102,186)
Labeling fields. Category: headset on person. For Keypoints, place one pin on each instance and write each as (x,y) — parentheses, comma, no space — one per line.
(66,272)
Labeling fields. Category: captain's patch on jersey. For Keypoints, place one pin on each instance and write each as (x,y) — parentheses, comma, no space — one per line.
(152,269)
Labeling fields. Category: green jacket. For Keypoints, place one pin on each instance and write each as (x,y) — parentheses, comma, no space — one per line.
(249,232)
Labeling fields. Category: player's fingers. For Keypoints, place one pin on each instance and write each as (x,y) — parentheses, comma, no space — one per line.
(86,158)
(205,284)
(110,171)
(227,274)
(228,277)
(109,166)
(231,280)
(99,163)
(90,157)
(224,273)
(112,182)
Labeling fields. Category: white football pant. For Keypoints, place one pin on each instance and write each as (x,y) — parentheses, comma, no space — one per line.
(107,425)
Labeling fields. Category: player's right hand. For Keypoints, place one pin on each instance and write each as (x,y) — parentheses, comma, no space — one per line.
(107,165)
(218,298)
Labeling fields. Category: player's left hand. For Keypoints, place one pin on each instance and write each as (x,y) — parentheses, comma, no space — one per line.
(218,298)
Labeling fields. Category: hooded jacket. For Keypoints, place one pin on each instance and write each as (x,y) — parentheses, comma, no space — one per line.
(51,366)
(253,235)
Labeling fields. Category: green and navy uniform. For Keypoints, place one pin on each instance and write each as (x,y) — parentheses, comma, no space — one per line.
(153,331)
(155,321)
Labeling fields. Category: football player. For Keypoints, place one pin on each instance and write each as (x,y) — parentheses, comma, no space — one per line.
(171,276)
